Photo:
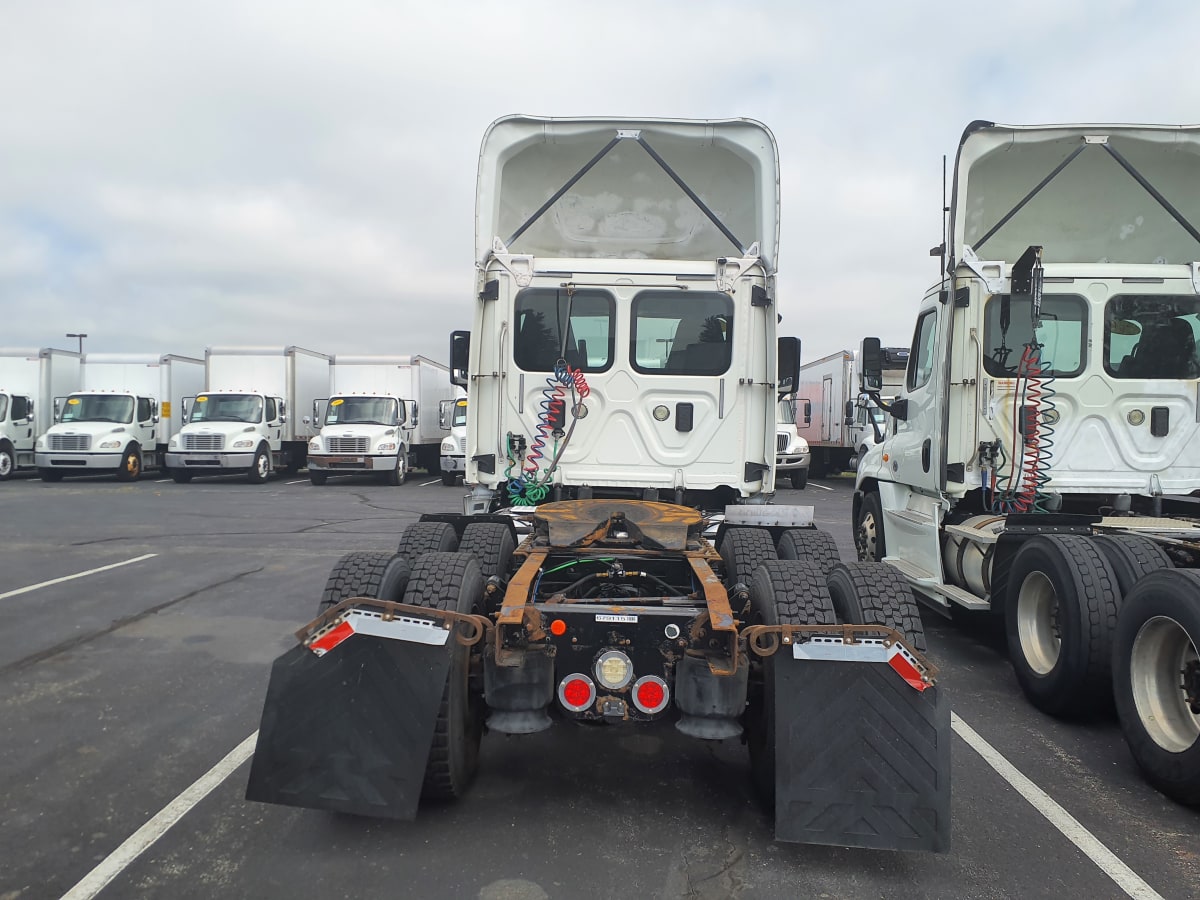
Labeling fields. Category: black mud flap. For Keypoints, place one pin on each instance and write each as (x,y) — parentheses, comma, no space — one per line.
(350,731)
(862,757)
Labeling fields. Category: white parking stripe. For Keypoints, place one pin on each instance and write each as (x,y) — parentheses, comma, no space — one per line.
(821,486)
(301,481)
(144,838)
(34,587)
(1128,880)
(435,481)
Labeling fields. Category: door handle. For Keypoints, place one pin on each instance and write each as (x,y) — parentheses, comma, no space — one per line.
(926,452)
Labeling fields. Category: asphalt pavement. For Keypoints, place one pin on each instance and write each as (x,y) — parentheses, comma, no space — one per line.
(142,620)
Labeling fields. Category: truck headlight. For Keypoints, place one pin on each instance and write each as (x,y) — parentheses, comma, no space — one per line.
(315,445)
(448,446)
(389,447)
(242,444)
(174,441)
(109,445)
(801,445)
(41,443)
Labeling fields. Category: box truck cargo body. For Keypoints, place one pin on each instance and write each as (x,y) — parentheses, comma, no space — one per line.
(30,379)
(380,417)
(119,421)
(253,415)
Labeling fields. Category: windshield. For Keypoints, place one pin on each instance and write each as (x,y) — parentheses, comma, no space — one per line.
(227,408)
(3,407)
(362,411)
(98,408)
(1151,337)
(460,415)
(785,413)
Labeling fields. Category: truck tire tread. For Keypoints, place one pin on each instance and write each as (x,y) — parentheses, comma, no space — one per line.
(867,593)
(427,537)
(383,576)
(809,544)
(743,549)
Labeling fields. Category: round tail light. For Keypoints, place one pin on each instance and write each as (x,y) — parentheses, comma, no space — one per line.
(650,694)
(576,692)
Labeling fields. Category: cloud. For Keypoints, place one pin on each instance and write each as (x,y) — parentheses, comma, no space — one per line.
(178,175)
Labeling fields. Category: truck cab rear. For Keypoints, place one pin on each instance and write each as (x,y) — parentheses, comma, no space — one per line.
(617,562)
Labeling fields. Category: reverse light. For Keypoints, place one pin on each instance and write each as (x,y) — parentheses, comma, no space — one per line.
(613,669)
(650,694)
(576,692)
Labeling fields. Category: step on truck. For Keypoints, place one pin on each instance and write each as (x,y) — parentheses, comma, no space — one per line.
(30,379)
(120,421)
(379,418)
(1042,461)
(616,562)
(253,416)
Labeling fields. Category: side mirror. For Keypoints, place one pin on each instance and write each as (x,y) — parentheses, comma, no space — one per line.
(415,414)
(787,356)
(870,366)
(849,413)
(59,403)
(185,407)
(282,409)
(460,356)
(445,411)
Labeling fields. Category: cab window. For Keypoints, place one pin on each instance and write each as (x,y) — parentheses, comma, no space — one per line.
(682,332)
(1151,337)
(1061,334)
(920,360)
(541,316)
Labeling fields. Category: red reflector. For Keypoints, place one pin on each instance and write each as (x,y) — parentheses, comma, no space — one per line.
(558,627)
(577,692)
(650,694)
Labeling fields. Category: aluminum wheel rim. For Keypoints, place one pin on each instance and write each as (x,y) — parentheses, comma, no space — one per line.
(1037,623)
(263,466)
(5,464)
(1161,651)
(868,532)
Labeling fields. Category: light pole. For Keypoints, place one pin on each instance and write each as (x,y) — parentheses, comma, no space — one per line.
(81,337)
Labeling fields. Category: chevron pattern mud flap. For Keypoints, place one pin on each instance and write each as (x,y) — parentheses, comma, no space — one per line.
(862,756)
(348,728)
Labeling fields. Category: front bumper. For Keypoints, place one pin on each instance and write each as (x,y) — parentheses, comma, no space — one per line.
(106,461)
(454,463)
(787,462)
(195,461)
(351,462)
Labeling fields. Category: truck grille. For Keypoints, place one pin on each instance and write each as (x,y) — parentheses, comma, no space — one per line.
(71,442)
(462,445)
(204,442)
(781,442)
(347,444)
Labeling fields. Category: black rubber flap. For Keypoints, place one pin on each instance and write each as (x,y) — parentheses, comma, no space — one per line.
(350,731)
(862,758)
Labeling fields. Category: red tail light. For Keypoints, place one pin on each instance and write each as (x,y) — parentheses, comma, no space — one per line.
(650,694)
(576,692)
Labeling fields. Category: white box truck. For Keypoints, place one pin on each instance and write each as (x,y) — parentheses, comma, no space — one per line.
(30,379)
(452,416)
(379,417)
(252,416)
(119,421)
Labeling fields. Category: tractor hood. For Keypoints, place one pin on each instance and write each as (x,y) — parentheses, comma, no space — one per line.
(1085,193)
(628,188)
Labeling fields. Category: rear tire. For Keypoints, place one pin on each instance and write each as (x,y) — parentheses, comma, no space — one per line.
(876,594)
(427,537)
(811,545)
(180,476)
(1156,680)
(451,581)
(318,478)
(383,576)
(782,592)
(743,550)
(1060,615)
(799,479)
(1132,558)
(868,530)
(492,545)
(50,475)
(449,478)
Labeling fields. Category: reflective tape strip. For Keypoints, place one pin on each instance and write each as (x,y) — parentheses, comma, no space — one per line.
(869,651)
(400,628)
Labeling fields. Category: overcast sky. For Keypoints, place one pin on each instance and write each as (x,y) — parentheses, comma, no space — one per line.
(178,175)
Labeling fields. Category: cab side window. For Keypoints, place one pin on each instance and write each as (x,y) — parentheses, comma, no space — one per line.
(144,413)
(272,411)
(920,360)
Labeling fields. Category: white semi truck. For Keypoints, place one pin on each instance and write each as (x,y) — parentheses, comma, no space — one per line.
(119,421)
(30,379)
(617,563)
(253,415)
(1043,458)
(379,417)
(453,416)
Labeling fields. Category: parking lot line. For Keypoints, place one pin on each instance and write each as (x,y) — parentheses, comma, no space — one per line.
(141,840)
(428,483)
(34,587)
(1108,862)
(821,486)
